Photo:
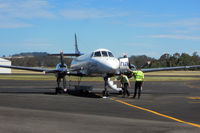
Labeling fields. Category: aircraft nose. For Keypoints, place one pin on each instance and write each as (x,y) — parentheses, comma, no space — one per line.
(113,64)
(107,65)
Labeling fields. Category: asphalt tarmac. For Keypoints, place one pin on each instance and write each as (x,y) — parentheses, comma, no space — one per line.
(164,107)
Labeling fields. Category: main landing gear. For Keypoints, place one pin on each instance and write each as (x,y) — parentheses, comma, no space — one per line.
(105,92)
(60,90)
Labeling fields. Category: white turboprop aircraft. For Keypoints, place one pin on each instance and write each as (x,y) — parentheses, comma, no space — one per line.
(100,62)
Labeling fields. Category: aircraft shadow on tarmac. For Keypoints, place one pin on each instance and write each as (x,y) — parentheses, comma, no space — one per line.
(44,91)
(84,94)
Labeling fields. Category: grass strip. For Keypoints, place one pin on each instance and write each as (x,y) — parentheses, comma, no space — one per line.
(74,78)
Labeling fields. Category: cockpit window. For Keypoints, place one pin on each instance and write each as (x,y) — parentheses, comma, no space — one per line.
(104,53)
(110,54)
(97,54)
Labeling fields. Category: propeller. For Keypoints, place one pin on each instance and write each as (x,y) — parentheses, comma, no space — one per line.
(62,59)
(62,74)
(146,64)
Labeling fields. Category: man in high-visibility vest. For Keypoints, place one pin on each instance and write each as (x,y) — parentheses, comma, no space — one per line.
(139,77)
(124,84)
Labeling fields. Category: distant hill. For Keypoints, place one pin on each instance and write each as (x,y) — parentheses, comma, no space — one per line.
(38,59)
(30,54)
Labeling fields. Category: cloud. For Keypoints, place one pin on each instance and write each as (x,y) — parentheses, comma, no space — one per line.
(13,24)
(187,22)
(21,13)
(25,9)
(138,45)
(183,37)
(3,5)
(36,45)
(190,22)
(89,14)
(36,42)
(14,13)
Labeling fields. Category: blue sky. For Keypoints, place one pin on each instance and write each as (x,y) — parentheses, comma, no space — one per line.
(136,27)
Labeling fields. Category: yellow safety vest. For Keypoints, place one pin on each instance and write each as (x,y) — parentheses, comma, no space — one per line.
(139,75)
(124,79)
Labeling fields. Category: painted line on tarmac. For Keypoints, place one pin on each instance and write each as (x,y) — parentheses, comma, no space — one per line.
(156,113)
(193,102)
(194,98)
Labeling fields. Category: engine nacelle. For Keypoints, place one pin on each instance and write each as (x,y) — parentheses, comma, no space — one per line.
(60,66)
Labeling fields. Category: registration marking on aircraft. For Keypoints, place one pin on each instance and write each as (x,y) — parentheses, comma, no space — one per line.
(156,113)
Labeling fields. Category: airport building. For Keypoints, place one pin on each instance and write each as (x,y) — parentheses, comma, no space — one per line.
(5,62)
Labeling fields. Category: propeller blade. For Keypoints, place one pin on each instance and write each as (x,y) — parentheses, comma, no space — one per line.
(62,59)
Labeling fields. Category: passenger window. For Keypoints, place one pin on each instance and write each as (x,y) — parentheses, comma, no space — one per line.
(110,54)
(104,53)
(97,54)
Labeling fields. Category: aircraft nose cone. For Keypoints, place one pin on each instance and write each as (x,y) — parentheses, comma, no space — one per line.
(113,64)
(107,65)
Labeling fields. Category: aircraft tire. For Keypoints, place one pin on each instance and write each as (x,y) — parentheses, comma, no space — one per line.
(58,90)
(107,93)
(120,92)
(103,93)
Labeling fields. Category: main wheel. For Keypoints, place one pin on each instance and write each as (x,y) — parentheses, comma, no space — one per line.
(59,90)
(120,92)
(103,93)
(107,93)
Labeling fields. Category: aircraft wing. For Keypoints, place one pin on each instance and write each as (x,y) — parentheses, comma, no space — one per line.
(31,69)
(70,72)
(169,68)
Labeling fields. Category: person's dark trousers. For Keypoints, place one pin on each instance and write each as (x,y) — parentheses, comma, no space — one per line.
(138,85)
(125,89)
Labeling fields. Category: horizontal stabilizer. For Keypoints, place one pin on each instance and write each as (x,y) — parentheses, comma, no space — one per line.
(69,54)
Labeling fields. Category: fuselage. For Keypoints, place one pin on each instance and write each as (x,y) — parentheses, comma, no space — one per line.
(98,62)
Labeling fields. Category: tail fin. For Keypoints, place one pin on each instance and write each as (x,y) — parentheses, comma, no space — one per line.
(77,52)
(76,46)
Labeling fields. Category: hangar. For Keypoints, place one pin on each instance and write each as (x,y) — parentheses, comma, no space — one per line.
(5,62)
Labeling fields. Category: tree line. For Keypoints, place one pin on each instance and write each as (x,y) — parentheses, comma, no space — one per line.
(166,60)
(37,59)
